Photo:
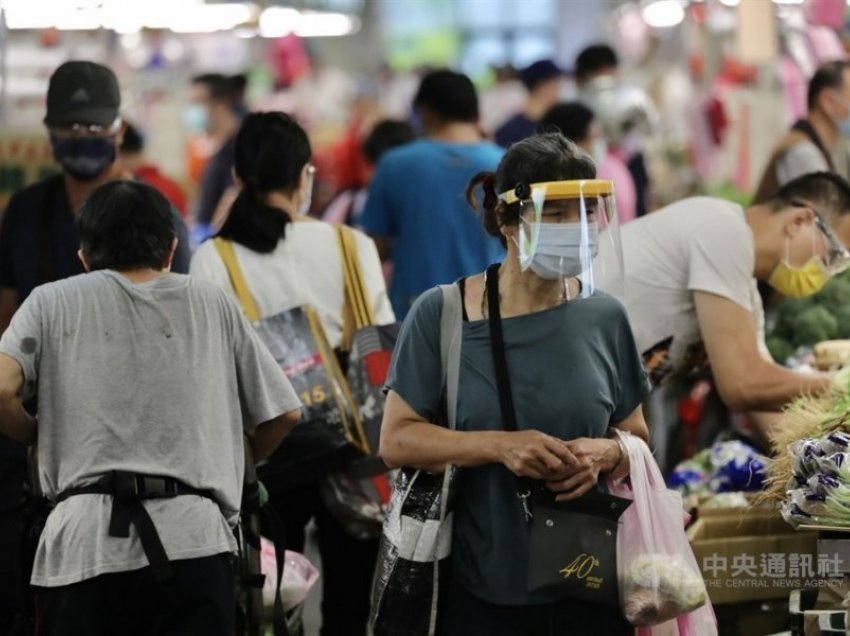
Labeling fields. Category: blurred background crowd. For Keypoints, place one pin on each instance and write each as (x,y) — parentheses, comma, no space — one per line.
(697,90)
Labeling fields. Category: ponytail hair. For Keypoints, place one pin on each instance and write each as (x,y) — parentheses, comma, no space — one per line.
(270,155)
(547,156)
(495,212)
(253,223)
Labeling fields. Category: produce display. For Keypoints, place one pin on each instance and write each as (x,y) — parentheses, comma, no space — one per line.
(726,467)
(810,475)
(808,321)
(819,490)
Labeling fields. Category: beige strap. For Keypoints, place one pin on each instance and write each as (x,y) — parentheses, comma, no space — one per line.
(357,310)
(228,255)
(358,281)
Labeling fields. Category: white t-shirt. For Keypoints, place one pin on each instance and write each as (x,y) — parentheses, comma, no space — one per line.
(304,268)
(697,244)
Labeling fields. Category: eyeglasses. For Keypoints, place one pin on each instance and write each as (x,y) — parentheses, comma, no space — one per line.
(74,131)
(837,257)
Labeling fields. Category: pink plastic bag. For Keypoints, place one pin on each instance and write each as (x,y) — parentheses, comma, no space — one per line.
(299,576)
(661,589)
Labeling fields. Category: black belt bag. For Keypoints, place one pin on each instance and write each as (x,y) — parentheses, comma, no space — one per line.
(128,491)
(573,545)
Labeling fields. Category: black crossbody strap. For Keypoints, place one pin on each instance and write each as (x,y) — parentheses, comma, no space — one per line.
(497,342)
(503,380)
(804,126)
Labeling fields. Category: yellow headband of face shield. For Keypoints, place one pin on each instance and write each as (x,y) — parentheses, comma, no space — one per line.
(560,190)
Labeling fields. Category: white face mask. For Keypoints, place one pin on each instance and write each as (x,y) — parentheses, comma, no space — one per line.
(304,208)
(563,251)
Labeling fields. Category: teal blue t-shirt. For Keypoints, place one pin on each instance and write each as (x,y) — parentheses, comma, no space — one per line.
(417,199)
(574,370)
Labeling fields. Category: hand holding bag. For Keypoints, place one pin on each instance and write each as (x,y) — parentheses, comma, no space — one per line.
(662,589)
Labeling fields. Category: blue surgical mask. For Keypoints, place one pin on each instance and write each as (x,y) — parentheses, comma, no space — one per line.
(565,250)
(84,158)
(844,127)
(196,118)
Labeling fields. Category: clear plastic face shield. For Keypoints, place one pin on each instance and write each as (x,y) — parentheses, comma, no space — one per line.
(569,229)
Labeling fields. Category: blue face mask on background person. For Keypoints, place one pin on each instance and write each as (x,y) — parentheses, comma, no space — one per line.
(560,253)
(84,158)
(844,127)
(196,118)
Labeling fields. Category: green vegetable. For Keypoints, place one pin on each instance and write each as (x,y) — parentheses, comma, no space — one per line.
(780,349)
(788,313)
(814,325)
(836,295)
(842,316)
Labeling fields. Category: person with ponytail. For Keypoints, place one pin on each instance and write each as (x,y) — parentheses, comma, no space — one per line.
(289,259)
(565,357)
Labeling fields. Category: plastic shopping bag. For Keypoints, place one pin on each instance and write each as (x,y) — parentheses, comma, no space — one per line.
(661,589)
(299,576)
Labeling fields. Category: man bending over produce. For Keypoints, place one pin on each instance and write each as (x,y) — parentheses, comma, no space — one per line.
(691,290)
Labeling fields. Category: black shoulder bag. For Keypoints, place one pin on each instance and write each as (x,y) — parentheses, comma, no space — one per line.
(573,544)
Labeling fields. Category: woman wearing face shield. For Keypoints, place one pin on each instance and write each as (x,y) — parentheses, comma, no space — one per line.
(289,259)
(574,375)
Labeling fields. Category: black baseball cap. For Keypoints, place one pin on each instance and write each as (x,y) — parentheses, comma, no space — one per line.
(82,93)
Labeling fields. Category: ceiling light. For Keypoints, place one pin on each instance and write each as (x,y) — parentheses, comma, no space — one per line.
(276,22)
(661,14)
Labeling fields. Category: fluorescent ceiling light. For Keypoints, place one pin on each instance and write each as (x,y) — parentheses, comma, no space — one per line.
(277,22)
(122,16)
(735,3)
(661,14)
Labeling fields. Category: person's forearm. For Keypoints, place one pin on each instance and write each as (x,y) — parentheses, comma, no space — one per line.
(431,447)
(770,387)
(268,435)
(15,422)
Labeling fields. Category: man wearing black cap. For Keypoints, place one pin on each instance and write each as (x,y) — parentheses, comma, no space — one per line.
(38,237)
(543,79)
(39,243)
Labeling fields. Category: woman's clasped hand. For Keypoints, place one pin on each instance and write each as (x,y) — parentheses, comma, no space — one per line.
(569,468)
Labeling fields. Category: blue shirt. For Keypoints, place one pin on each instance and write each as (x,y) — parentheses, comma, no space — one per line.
(515,129)
(417,200)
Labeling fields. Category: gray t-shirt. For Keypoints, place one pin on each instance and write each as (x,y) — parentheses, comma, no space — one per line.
(800,159)
(574,370)
(159,378)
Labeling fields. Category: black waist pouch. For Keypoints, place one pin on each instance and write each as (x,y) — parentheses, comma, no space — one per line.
(574,546)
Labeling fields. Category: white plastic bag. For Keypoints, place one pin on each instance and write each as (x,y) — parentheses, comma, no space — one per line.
(299,576)
(661,589)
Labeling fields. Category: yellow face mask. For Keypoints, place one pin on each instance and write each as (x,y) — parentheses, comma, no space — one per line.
(799,283)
